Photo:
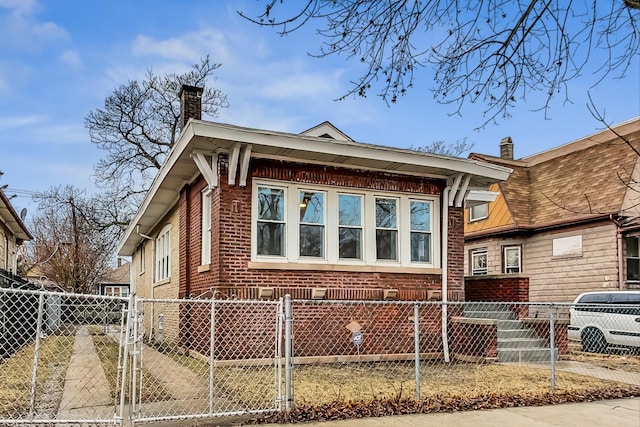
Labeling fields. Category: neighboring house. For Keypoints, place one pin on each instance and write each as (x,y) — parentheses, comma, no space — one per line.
(13,233)
(116,282)
(254,213)
(565,221)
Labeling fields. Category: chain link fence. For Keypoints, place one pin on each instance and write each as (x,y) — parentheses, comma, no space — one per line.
(89,359)
(58,359)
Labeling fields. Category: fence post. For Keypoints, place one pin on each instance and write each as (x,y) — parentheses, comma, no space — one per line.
(552,344)
(416,346)
(36,356)
(288,320)
(212,337)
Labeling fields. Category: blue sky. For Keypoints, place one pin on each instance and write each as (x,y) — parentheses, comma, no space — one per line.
(60,59)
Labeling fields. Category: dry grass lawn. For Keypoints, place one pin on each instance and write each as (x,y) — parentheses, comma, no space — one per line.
(618,360)
(16,373)
(107,350)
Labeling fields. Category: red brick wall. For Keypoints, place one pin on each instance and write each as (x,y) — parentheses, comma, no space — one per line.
(497,288)
(231,235)
(455,270)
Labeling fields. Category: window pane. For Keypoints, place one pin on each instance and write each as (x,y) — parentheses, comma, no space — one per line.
(512,260)
(350,210)
(386,213)
(420,247)
(386,244)
(270,238)
(350,245)
(479,262)
(632,246)
(633,269)
(270,204)
(420,216)
(312,240)
(311,207)
(479,211)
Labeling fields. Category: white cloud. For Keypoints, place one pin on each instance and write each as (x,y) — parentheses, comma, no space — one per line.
(70,57)
(187,47)
(20,121)
(20,29)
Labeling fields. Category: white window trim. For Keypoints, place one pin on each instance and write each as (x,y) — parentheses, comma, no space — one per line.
(504,257)
(473,219)
(164,251)
(479,251)
(291,256)
(205,232)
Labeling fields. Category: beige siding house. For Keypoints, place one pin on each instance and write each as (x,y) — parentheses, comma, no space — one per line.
(566,221)
(12,233)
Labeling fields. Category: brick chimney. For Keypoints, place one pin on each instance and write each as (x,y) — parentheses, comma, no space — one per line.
(506,148)
(190,104)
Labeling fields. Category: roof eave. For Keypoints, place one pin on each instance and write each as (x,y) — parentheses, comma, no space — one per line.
(306,149)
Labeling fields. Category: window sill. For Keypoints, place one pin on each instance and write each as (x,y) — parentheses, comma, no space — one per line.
(204,267)
(258,265)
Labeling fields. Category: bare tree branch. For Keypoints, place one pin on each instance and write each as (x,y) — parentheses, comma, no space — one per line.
(493,52)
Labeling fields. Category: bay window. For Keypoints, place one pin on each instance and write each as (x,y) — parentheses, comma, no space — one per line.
(296,223)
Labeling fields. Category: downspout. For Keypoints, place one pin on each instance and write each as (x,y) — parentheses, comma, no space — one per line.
(445,267)
(619,253)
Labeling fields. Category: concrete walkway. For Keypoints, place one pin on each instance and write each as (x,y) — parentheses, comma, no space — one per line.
(86,394)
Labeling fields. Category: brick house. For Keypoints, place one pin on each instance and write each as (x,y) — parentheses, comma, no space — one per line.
(13,233)
(564,222)
(254,213)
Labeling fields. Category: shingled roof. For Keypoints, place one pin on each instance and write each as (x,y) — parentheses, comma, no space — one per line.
(589,178)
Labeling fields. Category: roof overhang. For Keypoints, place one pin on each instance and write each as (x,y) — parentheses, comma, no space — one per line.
(13,221)
(211,138)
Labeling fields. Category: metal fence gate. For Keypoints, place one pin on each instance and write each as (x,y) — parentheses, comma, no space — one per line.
(87,359)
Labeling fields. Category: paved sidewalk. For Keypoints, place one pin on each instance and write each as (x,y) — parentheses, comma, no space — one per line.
(86,392)
(605,413)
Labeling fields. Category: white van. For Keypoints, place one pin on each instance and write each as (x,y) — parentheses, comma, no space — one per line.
(606,318)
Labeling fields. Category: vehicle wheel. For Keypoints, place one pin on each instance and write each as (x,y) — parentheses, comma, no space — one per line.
(593,341)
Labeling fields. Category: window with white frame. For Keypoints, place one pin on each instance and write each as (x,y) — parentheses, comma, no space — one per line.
(350,226)
(271,221)
(479,262)
(420,219)
(512,261)
(294,223)
(386,229)
(163,255)
(141,254)
(478,212)
(632,245)
(311,221)
(205,256)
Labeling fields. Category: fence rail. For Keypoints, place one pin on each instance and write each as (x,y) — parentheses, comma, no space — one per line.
(68,358)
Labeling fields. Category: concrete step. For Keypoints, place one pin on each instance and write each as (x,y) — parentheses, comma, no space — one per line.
(486,306)
(497,315)
(509,325)
(515,333)
(524,355)
(522,343)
